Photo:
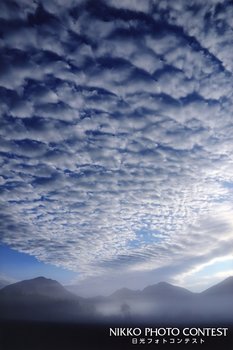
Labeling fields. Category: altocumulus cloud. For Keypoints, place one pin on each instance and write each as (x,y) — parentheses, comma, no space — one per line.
(116,133)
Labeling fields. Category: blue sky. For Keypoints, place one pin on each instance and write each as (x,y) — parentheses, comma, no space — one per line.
(15,266)
(116,141)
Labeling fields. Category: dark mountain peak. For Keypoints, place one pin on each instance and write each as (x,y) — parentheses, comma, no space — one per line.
(42,278)
(124,293)
(39,286)
(224,287)
(164,284)
(164,289)
(43,281)
(42,299)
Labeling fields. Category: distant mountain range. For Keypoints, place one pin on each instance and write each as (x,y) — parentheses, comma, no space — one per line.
(47,300)
(167,290)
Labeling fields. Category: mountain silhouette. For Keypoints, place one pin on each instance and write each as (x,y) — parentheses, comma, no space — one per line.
(124,293)
(224,288)
(169,303)
(45,299)
(42,299)
(166,290)
(37,287)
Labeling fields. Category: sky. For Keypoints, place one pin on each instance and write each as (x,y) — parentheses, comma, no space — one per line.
(116,142)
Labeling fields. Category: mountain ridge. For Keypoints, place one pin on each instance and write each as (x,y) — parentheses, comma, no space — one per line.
(163,289)
(160,286)
(168,286)
(39,286)
(47,300)
(223,287)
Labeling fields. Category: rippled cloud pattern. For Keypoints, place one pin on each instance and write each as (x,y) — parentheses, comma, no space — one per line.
(117,133)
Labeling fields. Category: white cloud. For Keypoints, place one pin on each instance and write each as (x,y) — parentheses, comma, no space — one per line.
(132,5)
(118,149)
